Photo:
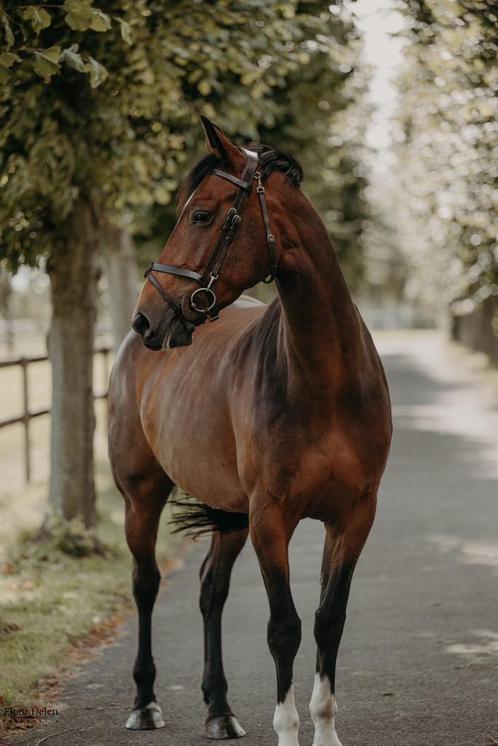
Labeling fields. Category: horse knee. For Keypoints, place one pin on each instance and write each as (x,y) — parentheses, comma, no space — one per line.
(328,629)
(284,637)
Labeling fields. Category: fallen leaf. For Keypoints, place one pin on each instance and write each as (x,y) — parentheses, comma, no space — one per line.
(12,627)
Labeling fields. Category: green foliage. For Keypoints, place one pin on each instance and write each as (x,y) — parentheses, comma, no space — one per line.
(67,537)
(38,16)
(322,119)
(448,147)
(82,16)
(316,113)
(100,100)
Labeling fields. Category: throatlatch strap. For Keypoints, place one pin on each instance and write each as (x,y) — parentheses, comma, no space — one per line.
(270,238)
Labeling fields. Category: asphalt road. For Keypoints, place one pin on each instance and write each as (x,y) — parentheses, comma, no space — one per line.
(418,663)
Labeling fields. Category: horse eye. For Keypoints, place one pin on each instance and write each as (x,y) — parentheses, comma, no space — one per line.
(201,216)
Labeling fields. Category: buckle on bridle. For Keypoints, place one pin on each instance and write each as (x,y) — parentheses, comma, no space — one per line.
(212,280)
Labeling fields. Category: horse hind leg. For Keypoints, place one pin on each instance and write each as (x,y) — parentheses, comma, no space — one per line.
(143,511)
(215,575)
(341,552)
(229,534)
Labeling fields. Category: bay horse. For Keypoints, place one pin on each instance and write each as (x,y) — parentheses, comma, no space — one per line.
(272,414)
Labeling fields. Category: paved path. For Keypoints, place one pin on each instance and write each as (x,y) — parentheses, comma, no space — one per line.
(418,665)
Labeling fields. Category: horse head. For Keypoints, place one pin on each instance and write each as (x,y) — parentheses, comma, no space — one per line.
(222,242)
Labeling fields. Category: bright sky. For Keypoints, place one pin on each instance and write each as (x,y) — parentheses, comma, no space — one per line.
(377,20)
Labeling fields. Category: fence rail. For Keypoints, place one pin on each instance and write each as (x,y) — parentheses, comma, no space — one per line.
(28,414)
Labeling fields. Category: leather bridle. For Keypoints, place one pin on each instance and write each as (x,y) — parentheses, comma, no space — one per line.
(203,299)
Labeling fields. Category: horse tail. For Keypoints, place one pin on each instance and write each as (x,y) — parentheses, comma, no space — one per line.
(195,518)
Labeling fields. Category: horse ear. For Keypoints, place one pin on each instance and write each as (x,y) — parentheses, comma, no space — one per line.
(219,144)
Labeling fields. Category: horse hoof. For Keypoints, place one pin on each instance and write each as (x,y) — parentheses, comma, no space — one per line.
(224,726)
(146,718)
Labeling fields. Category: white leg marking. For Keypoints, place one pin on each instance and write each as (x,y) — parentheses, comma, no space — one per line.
(286,720)
(323,709)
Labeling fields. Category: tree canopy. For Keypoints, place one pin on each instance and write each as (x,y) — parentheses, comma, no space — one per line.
(448,148)
(316,111)
(98,100)
(322,118)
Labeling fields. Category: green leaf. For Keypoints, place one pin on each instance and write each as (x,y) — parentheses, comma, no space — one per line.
(163,195)
(204,87)
(125,30)
(9,36)
(7,59)
(72,58)
(100,21)
(52,54)
(98,73)
(81,16)
(4,76)
(47,62)
(39,17)
(78,14)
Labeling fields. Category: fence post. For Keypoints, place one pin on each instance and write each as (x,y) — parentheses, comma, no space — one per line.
(27,442)
(26,415)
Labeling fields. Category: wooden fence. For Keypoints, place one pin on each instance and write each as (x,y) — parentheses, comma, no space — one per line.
(28,414)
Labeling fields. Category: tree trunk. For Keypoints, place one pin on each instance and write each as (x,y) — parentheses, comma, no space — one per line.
(122,275)
(73,271)
(5,309)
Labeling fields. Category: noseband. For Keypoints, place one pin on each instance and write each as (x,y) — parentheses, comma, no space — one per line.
(203,299)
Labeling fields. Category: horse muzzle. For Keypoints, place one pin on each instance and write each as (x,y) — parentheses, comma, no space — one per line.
(170,332)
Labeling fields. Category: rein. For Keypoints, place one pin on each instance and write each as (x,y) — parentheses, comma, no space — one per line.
(203,299)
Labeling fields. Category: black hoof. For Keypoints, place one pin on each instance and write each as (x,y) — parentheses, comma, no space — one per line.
(224,726)
(149,717)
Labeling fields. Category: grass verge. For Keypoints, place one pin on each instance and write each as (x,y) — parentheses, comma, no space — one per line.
(58,592)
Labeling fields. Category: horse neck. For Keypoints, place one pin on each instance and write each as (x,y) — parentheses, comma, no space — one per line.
(321,329)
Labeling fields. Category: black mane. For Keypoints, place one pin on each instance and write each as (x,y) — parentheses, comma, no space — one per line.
(271,160)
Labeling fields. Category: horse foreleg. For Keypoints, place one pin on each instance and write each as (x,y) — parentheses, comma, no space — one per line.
(270,535)
(215,582)
(141,525)
(342,549)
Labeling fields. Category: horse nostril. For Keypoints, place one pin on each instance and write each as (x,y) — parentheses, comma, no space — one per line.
(141,324)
